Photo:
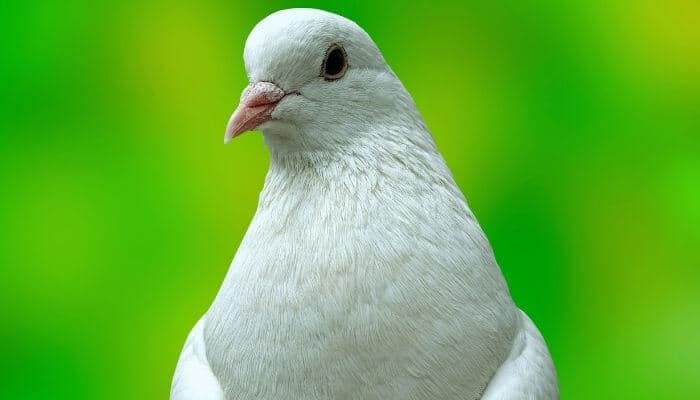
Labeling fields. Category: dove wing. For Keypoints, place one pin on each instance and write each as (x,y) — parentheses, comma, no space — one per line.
(528,372)
(193,378)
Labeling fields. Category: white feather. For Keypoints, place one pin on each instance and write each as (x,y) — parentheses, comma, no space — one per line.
(363,275)
(194,378)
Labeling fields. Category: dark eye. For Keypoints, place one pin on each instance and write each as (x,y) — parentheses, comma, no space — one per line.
(335,64)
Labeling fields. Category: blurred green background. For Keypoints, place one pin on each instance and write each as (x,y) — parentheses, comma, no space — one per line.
(573,128)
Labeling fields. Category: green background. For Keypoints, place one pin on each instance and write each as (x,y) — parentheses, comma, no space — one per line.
(573,128)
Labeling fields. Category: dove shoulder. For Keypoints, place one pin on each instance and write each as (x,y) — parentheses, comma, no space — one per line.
(194,379)
(528,372)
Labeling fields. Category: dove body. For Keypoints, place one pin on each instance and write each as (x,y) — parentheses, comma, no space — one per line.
(363,273)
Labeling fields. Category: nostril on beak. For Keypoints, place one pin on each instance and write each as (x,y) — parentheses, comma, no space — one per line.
(261,93)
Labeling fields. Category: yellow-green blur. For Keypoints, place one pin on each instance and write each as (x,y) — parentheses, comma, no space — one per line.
(572,127)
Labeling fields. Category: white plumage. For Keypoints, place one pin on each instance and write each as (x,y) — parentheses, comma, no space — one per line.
(363,275)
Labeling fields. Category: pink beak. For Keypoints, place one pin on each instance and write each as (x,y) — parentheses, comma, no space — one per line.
(257,102)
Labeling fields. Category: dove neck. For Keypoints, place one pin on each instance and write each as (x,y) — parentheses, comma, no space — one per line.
(389,160)
(355,173)
(356,150)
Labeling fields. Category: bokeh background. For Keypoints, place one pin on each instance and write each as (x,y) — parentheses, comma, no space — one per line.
(573,128)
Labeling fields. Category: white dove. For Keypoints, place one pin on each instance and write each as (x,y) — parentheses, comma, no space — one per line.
(363,275)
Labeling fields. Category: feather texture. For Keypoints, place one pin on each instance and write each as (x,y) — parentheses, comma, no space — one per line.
(364,274)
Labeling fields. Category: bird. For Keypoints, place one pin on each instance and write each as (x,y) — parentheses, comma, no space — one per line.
(363,273)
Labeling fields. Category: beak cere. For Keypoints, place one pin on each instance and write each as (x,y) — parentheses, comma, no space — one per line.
(257,102)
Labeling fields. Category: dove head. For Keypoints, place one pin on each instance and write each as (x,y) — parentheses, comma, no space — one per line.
(316,81)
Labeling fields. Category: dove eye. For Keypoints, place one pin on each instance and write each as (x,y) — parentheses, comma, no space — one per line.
(335,64)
